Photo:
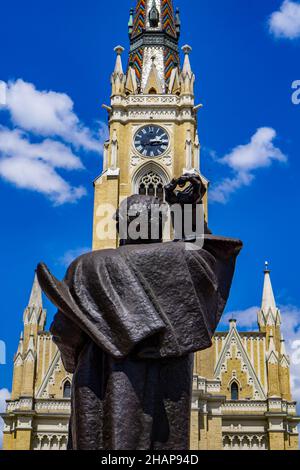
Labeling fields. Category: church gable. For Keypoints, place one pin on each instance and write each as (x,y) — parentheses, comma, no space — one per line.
(54,379)
(235,371)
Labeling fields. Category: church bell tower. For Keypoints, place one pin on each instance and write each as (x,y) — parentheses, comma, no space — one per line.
(152,115)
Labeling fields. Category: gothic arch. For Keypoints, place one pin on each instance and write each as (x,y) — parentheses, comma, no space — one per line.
(234,391)
(54,445)
(45,443)
(246,443)
(150,179)
(63,443)
(234,382)
(67,387)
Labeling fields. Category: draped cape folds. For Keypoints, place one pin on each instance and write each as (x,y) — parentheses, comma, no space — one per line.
(128,322)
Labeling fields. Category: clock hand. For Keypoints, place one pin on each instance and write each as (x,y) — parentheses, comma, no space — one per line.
(157,141)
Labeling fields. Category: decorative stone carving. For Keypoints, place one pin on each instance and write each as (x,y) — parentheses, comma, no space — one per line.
(167,160)
(135,161)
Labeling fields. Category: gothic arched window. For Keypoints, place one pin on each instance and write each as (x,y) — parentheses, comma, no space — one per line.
(234,391)
(151,184)
(67,389)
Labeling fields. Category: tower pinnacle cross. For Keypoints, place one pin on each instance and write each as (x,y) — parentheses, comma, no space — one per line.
(267,267)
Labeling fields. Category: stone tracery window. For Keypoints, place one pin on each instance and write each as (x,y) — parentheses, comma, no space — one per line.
(151,184)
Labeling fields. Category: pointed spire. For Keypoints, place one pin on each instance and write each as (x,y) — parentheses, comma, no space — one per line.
(174,84)
(153,84)
(34,313)
(187,69)
(119,66)
(187,76)
(36,294)
(131,85)
(269,314)
(268,299)
(118,78)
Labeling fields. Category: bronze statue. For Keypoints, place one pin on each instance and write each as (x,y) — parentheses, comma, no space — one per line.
(191,193)
(128,323)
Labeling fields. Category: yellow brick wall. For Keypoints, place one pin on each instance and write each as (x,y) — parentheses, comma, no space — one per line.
(195,430)
(17,381)
(276,441)
(204,363)
(214,437)
(285,383)
(106,192)
(273,381)
(23,440)
(8,441)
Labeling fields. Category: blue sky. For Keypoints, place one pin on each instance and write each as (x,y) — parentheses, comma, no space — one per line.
(244,70)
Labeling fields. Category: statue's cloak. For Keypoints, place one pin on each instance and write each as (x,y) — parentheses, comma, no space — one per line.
(128,322)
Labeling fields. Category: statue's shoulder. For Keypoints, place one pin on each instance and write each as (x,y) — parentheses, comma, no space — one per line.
(152,249)
(94,257)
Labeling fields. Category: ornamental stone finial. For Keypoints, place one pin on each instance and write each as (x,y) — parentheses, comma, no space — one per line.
(119,50)
(267,267)
(187,49)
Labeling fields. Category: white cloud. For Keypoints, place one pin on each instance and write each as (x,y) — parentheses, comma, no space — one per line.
(246,318)
(14,142)
(243,160)
(285,23)
(48,113)
(45,135)
(4,395)
(291,333)
(33,165)
(2,93)
(71,255)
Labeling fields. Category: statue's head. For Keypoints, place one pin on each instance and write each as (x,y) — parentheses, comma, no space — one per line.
(140,220)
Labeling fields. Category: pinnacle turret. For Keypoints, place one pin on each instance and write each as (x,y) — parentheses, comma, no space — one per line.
(187,69)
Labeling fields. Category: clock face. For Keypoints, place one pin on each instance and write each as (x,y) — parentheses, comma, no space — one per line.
(151,141)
